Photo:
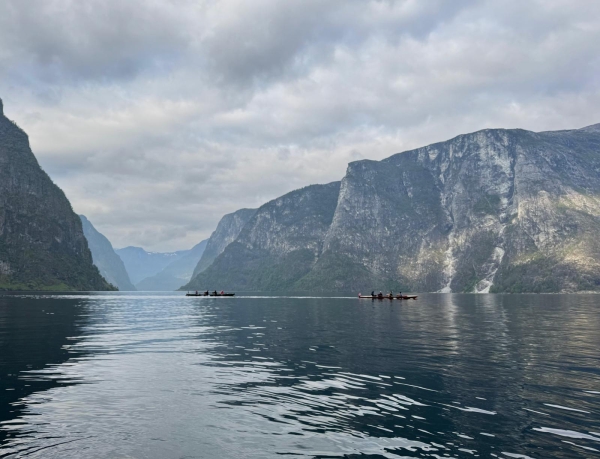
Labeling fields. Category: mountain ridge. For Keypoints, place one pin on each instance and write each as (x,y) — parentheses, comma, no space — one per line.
(494,210)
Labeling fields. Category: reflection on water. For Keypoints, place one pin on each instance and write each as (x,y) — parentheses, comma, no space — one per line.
(161,376)
(34,342)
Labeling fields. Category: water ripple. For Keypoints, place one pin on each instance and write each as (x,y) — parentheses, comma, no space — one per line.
(160,376)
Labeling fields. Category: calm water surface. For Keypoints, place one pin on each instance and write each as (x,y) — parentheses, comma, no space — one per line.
(163,376)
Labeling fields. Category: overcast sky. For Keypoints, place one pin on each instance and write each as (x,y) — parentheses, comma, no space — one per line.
(158,117)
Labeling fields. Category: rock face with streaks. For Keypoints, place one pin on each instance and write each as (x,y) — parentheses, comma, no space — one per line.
(42,246)
(492,211)
(496,210)
(106,260)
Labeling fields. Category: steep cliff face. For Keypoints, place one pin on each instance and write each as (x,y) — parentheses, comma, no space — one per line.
(496,210)
(106,260)
(553,242)
(278,246)
(175,274)
(227,231)
(42,246)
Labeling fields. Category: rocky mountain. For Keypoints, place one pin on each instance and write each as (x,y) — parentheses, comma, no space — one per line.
(278,245)
(106,260)
(227,231)
(496,210)
(175,274)
(42,245)
(141,264)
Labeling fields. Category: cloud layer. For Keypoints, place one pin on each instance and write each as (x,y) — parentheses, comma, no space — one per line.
(157,117)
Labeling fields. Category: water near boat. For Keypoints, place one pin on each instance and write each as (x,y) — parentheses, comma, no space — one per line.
(168,376)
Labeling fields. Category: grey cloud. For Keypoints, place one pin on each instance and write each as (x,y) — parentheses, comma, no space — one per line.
(254,43)
(98,39)
(239,42)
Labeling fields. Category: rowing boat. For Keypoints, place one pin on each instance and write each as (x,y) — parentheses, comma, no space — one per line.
(387,297)
(209,294)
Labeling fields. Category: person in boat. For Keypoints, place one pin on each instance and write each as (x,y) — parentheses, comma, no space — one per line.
(215,293)
(206,293)
(196,292)
(222,292)
(380,294)
(373,293)
(391,294)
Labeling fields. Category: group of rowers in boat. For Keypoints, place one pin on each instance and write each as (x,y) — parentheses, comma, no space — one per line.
(389,296)
(207,293)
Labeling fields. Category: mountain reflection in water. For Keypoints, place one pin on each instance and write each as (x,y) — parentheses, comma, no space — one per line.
(161,376)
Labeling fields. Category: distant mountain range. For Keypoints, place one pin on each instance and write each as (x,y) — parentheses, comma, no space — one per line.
(177,273)
(42,245)
(151,271)
(492,211)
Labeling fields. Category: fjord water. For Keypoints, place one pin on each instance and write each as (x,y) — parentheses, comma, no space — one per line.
(164,376)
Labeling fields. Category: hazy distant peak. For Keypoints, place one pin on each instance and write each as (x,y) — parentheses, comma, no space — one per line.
(143,252)
(132,249)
